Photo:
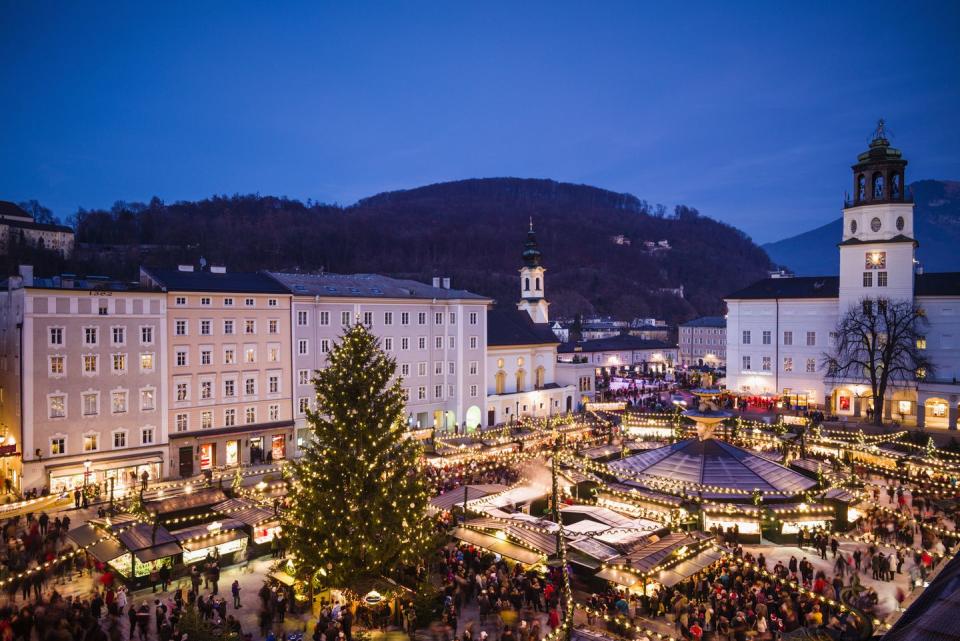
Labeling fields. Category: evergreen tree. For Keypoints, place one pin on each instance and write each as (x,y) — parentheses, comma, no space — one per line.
(358,495)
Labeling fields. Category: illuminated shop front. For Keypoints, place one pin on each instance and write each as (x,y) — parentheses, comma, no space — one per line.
(126,473)
(260,523)
(217,539)
(228,447)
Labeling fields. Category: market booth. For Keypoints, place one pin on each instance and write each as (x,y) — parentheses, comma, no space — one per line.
(659,561)
(136,549)
(259,522)
(186,503)
(221,539)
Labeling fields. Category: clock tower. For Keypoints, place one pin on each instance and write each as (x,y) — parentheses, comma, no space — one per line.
(878,245)
(532,281)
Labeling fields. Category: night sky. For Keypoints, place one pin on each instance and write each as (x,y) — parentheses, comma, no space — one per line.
(751,113)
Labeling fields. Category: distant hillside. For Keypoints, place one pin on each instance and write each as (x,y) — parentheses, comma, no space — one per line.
(470,230)
(937,223)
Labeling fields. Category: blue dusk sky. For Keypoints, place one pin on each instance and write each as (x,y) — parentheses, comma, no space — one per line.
(751,112)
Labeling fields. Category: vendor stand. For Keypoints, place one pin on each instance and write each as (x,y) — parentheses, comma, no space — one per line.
(217,539)
(262,524)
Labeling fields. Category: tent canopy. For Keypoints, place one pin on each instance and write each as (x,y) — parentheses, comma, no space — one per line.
(493,544)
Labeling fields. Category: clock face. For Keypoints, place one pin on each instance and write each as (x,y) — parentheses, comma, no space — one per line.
(853,227)
(875,224)
(900,223)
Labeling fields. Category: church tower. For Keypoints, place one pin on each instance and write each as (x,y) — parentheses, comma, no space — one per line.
(878,244)
(532,281)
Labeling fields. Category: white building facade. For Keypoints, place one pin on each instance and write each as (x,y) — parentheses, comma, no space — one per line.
(436,334)
(703,341)
(779,329)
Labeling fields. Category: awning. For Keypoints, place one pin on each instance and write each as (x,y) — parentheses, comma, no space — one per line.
(85,535)
(493,544)
(161,551)
(225,536)
(282,577)
(688,568)
(106,551)
(626,579)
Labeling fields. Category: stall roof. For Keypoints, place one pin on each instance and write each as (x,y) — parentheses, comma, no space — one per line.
(452,498)
(141,537)
(493,544)
(641,493)
(514,496)
(686,569)
(225,536)
(625,536)
(593,548)
(586,526)
(205,497)
(541,541)
(107,550)
(840,494)
(597,513)
(646,557)
(245,511)
(157,552)
(85,535)
(204,529)
(626,579)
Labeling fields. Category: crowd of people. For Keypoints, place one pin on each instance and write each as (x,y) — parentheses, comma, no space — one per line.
(28,543)
(451,477)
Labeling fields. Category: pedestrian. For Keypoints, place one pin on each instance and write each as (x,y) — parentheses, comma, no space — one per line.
(235,591)
(164,577)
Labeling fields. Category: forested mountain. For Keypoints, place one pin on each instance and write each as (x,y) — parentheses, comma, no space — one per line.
(471,230)
(936,221)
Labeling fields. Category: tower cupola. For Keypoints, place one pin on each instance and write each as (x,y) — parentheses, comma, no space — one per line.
(531,253)
(878,175)
(532,280)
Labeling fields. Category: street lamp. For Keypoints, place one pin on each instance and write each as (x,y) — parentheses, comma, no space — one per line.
(86,474)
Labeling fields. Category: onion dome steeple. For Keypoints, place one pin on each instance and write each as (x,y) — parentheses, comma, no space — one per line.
(531,254)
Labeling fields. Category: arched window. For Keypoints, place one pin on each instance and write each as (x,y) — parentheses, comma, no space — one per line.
(540,377)
(521,380)
(878,186)
(501,382)
(526,284)
(861,188)
(538,284)
(895,187)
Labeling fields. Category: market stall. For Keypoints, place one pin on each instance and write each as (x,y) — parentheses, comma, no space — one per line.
(259,522)
(217,539)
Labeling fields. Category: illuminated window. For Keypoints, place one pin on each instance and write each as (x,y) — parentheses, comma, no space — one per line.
(876,260)
(921,342)
(938,409)
(90,442)
(903,407)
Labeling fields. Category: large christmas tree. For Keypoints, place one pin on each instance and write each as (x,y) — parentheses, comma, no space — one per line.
(358,507)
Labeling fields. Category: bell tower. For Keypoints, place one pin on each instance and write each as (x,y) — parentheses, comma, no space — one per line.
(532,280)
(878,245)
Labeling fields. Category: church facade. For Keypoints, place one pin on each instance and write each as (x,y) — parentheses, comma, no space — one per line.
(780,329)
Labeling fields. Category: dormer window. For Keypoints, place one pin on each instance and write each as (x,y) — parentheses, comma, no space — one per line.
(875,224)
(900,223)
(853,227)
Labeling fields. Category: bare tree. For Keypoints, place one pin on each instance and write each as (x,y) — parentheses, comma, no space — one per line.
(879,340)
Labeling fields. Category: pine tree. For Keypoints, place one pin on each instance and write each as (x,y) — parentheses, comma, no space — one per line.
(358,497)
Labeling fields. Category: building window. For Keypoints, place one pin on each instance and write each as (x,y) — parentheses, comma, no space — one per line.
(249,302)
(811,365)
(303,377)
(181,357)
(55,337)
(147,399)
(868,279)
(249,326)
(746,337)
(182,422)
(473,318)
(118,336)
(388,318)
(102,309)
(303,405)
(229,356)
(58,446)
(746,362)
(273,326)
(205,301)
(452,318)
(230,417)
(89,335)
(118,402)
(119,439)
(271,302)
(91,442)
(228,302)
(344,318)
(274,412)
(921,342)
(404,318)
(405,369)
(57,365)
(146,362)
(90,364)
(788,338)
(421,393)
(765,338)
(228,327)
(421,369)
(183,392)
(422,342)
(474,366)
(251,415)
(438,318)
(788,363)
(91,404)
(146,335)
(404,343)
(205,328)
(302,318)
(368,319)
(421,318)
(438,368)
(180,300)
(206,419)
(250,355)
(881,279)
(303,347)
(875,260)
(388,344)
(250,386)
(229,388)
(765,363)
(473,390)
(324,318)
(180,328)
(206,390)
(811,339)
(206,357)
(438,342)
(473,342)
(146,436)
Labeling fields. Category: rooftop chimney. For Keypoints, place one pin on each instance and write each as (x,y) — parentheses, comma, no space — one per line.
(446,283)
(185,268)
(436,281)
(218,269)
(26,273)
